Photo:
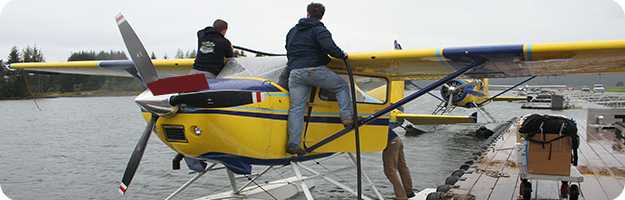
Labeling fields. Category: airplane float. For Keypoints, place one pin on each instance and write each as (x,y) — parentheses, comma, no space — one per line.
(199,118)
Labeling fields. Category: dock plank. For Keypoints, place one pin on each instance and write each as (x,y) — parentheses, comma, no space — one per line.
(467,186)
(496,165)
(591,187)
(600,169)
(504,185)
(602,165)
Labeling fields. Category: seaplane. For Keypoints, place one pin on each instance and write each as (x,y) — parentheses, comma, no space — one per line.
(238,120)
(460,93)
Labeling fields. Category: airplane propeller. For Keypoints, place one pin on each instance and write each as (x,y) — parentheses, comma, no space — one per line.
(144,66)
(137,154)
(454,91)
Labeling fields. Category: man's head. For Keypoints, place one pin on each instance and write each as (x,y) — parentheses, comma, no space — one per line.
(220,26)
(316,10)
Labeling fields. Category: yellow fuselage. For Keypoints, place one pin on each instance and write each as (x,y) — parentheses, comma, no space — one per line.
(259,130)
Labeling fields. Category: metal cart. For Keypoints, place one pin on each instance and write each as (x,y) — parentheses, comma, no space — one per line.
(570,185)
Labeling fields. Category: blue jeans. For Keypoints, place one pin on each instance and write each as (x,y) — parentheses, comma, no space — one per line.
(300,83)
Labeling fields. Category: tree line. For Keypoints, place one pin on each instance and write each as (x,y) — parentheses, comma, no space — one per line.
(20,84)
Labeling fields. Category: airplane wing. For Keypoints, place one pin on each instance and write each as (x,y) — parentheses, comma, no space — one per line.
(511,98)
(265,66)
(425,119)
(124,68)
(528,86)
(541,59)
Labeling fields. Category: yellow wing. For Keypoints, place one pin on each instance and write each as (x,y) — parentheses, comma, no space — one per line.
(510,98)
(540,59)
(107,67)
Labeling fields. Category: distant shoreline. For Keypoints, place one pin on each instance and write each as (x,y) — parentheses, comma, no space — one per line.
(95,93)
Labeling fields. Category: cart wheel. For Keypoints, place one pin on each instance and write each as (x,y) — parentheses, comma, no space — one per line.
(526,190)
(564,190)
(574,192)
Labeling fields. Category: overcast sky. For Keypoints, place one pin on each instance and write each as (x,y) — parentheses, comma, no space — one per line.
(59,27)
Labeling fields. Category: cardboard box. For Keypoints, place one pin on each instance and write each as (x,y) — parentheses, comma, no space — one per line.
(549,159)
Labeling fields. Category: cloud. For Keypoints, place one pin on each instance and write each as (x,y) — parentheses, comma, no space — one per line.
(61,26)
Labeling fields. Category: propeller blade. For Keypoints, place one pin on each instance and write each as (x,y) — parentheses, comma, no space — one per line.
(216,99)
(136,156)
(137,52)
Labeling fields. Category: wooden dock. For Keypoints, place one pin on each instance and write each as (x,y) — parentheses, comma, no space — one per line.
(495,174)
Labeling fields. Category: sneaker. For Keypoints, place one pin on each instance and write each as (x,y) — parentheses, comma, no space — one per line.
(411,194)
(347,122)
(295,149)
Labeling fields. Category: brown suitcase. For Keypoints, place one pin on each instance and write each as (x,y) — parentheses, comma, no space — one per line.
(549,159)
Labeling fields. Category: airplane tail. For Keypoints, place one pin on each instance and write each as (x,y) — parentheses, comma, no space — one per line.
(397,45)
(485,86)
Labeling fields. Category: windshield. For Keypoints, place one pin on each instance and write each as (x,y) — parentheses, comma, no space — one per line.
(267,68)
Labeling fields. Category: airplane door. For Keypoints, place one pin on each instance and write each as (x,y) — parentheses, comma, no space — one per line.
(324,119)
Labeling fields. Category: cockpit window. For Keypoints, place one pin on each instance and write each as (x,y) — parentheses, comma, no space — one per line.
(368,90)
(267,68)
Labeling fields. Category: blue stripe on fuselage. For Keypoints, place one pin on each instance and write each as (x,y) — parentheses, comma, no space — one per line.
(243,165)
(336,120)
(241,84)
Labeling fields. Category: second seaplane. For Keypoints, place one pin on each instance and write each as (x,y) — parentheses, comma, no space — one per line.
(239,119)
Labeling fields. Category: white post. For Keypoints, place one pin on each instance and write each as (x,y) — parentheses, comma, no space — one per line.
(373,187)
(303,183)
(233,181)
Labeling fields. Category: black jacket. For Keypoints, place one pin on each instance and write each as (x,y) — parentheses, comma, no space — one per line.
(212,51)
(308,45)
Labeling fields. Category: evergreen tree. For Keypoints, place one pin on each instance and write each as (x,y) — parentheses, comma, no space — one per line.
(14,56)
(153,56)
(179,54)
(27,54)
(37,55)
(165,57)
(191,54)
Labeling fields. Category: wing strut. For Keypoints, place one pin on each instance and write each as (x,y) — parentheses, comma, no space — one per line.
(475,62)
(493,97)
(429,92)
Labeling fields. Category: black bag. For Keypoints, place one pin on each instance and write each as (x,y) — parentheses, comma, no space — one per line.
(549,124)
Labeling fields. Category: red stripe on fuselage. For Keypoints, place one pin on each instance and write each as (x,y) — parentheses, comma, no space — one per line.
(179,84)
(258,97)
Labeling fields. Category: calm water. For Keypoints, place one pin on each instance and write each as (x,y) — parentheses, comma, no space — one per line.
(77,148)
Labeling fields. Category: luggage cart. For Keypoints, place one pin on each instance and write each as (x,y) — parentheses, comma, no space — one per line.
(570,185)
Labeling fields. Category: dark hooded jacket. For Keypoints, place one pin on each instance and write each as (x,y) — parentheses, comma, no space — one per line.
(212,50)
(308,45)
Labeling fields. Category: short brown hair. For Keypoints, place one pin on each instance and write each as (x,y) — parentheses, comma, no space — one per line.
(316,10)
(220,25)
